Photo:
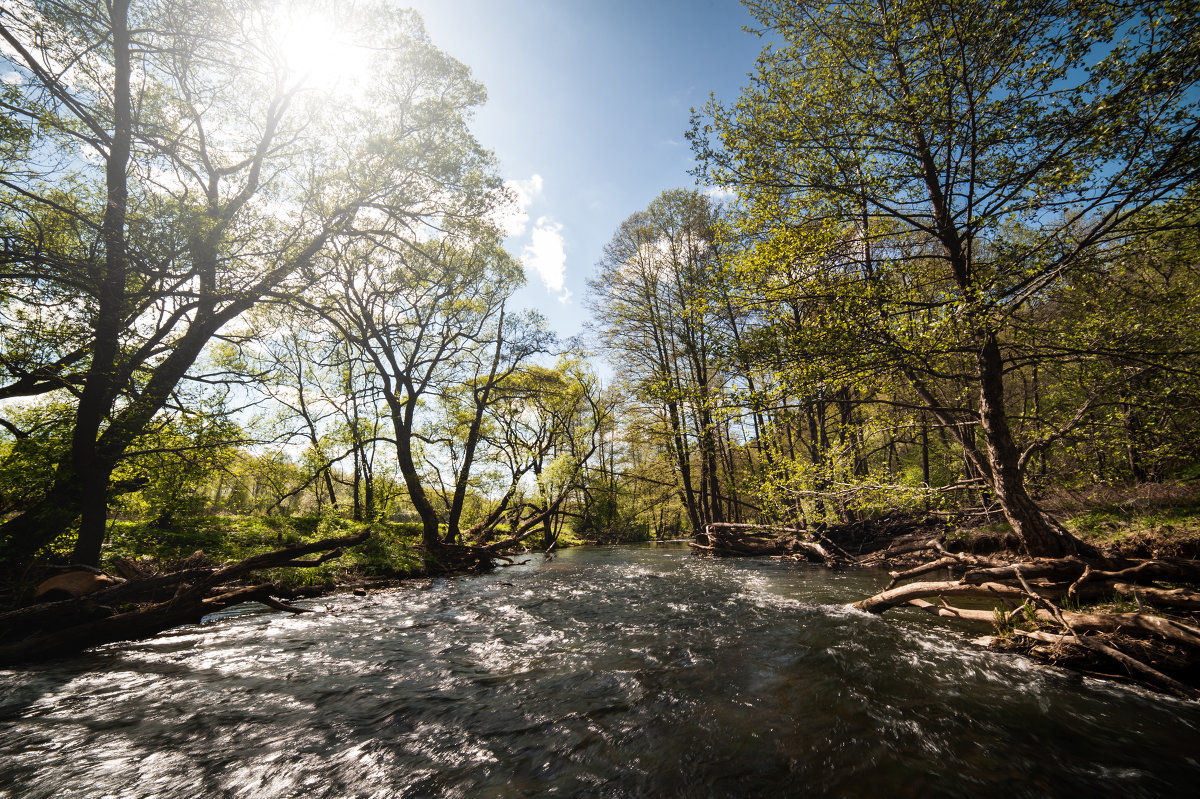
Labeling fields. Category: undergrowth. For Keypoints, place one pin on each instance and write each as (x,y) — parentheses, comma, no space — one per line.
(391,551)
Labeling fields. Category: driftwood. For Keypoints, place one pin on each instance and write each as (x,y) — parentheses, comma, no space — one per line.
(1150,675)
(725,539)
(925,568)
(70,626)
(1028,594)
(896,597)
(1146,570)
(1142,625)
(1050,568)
(1180,598)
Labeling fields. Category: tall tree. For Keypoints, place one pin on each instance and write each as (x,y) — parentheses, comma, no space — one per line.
(653,299)
(181,166)
(420,311)
(929,171)
(487,370)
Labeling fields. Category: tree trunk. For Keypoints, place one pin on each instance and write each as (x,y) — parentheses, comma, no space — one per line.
(482,396)
(99,388)
(1039,535)
(683,463)
(402,424)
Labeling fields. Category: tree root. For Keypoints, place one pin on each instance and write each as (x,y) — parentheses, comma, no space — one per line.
(1030,592)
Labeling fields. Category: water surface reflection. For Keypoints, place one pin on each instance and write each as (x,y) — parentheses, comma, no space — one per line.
(635,671)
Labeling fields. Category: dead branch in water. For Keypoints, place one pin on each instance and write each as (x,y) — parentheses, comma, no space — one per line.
(1120,638)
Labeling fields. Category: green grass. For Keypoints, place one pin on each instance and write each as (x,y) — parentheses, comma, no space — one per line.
(1163,529)
(391,551)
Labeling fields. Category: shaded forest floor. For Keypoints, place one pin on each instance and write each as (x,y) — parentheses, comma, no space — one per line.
(1150,520)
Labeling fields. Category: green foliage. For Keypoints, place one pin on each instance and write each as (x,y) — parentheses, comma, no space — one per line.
(950,210)
(220,537)
(28,460)
(173,464)
(141,219)
(391,551)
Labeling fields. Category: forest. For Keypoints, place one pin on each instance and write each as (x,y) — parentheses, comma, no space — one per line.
(941,267)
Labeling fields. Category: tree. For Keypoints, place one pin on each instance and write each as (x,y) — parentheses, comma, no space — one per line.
(419,311)
(653,297)
(923,173)
(546,423)
(487,371)
(167,168)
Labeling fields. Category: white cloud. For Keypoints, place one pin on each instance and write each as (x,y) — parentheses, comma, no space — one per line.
(514,217)
(720,193)
(546,254)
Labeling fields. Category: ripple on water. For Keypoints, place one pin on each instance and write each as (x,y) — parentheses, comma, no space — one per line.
(634,672)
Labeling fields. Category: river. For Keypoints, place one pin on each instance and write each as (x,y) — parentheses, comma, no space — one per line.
(606,672)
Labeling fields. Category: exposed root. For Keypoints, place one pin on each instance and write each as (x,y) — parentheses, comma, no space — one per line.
(1144,646)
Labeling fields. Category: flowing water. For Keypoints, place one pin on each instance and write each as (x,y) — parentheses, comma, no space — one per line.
(631,671)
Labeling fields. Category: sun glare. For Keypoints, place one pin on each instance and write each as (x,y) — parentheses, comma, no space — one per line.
(320,53)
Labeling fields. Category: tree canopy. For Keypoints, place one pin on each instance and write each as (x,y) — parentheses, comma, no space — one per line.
(169,168)
(919,179)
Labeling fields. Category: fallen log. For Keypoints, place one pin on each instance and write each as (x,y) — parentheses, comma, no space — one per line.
(1133,665)
(1181,598)
(1055,569)
(947,611)
(1187,571)
(25,621)
(1141,625)
(906,547)
(895,597)
(968,558)
(736,539)
(1031,590)
(57,634)
(925,568)
(1150,675)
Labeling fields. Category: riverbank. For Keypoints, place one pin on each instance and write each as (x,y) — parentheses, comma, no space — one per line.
(964,556)
(1125,605)
(1127,608)
(138,549)
(148,583)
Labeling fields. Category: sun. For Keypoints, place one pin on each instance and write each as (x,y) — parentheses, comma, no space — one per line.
(319,50)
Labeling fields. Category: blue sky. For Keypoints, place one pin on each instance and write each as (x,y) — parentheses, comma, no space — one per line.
(593,98)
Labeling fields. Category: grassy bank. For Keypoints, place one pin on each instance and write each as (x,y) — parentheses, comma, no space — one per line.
(393,550)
